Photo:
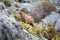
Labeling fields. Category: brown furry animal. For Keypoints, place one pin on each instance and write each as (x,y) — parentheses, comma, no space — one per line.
(26,18)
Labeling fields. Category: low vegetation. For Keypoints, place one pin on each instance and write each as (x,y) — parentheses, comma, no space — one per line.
(48,7)
(7,3)
(58,11)
(41,10)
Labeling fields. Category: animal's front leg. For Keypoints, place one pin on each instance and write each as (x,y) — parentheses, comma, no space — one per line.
(33,24)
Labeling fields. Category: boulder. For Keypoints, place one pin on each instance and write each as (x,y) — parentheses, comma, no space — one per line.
(52,18)
(27,6)
(12,8)
(57,26)
(2,5)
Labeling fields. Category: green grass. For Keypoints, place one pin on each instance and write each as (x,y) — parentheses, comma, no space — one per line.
(32,30)
(58,36)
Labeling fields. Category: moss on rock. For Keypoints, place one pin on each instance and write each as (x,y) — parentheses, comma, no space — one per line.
(33,30)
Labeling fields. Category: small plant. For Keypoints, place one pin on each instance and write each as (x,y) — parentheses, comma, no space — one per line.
(49,33)
(16,6)
(48,7)
(58,11)
(7,3)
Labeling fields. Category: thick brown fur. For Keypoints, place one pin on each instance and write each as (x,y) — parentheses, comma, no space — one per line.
(26,18)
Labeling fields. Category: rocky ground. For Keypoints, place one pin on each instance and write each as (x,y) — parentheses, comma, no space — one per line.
(12,28)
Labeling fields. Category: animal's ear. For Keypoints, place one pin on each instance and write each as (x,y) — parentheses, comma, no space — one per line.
(20,9)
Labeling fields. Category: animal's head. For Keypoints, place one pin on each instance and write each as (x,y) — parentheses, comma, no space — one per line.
(19,10)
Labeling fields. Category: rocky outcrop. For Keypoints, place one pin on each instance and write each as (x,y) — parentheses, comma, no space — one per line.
(10,29)
(2,6)
(57,26)
(52,18)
